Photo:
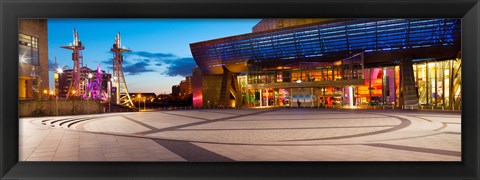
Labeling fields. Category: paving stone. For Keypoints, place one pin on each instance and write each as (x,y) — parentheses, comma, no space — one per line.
(249,135)
(40,158)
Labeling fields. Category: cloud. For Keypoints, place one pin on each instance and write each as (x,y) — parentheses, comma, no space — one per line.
(154,56)
(107,61)
(180,67)
(137,68)
(175,66)
(141,62)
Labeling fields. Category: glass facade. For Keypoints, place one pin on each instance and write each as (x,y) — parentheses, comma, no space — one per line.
(299,66)
(382,87)
(346,69)
(438,83)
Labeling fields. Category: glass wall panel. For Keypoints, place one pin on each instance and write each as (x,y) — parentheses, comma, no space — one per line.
(390,85)
(439,83)
(397,85)
(431,84)
(363,91)
(446,88)
(434,82)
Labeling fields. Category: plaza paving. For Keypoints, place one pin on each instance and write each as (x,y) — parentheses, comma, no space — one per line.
(245,135)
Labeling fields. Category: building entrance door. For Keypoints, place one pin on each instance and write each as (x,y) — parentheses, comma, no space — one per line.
(267,97)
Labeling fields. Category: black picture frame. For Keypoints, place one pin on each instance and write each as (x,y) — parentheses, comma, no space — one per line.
(467,10)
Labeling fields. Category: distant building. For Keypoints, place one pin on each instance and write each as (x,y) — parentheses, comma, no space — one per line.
(176,90)
(188,89)
(183,91)
(143,96)
(62,81)
(183,88)
(163,97)
(33,58)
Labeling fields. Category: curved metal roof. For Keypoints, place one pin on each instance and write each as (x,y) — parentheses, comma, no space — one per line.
(324,40)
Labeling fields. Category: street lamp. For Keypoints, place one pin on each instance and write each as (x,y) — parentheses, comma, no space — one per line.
(73,91)
(109,93)
(45,92)
(144,99)
(59,70)
(52,94)
(139,96)
(90,75)
(56,93)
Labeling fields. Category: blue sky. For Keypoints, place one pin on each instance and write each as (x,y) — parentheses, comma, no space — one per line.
(160,54)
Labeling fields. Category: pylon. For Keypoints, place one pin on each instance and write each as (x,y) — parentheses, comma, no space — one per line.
(121,93)
(74,88)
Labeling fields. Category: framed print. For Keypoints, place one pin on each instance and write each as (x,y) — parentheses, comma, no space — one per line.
(239,89)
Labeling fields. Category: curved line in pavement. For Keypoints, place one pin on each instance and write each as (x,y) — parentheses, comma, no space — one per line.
(422,118)
(209,142)
(444,125)
(404,122)
(293,128)
(406,137)
(80,125)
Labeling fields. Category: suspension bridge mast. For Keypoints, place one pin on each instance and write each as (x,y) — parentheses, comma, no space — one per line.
(77,57)
(121,93)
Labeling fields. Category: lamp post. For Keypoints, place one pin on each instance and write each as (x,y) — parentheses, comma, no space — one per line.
(59,72)
(90,75)
(144,106)
(139,96)
(73,92)
(56,102)
(109,94)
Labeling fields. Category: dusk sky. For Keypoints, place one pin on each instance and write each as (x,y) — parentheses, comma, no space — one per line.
(160,56)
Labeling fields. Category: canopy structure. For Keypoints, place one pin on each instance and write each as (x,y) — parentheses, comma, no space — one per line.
(378,39)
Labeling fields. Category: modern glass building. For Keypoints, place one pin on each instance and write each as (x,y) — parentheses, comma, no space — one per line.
(408,63)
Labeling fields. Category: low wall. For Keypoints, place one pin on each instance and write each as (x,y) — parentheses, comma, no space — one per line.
(32,108)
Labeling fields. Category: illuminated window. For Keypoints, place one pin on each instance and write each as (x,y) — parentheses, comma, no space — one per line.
(28,49)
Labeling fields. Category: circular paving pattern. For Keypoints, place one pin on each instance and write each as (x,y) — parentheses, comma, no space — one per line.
(258,126)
